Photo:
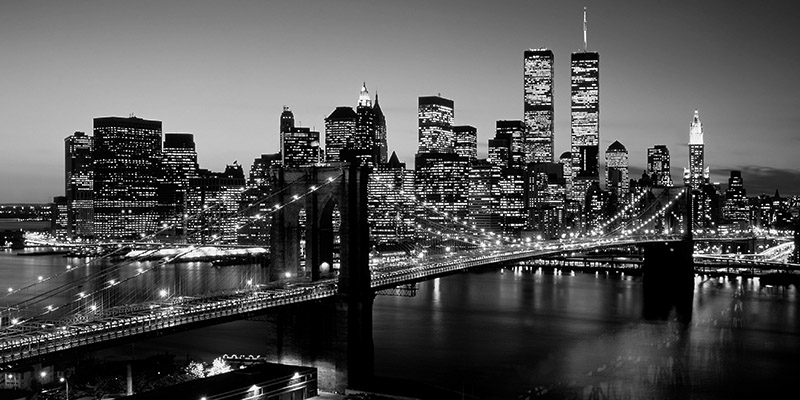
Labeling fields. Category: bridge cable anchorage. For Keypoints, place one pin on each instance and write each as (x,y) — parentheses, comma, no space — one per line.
(26,306)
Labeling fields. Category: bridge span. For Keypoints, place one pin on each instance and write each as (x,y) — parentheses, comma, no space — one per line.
(35,330)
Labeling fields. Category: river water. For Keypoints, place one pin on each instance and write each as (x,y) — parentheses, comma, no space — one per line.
(514,332)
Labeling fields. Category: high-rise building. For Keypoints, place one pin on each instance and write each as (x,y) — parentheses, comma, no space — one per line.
(127,165)
(58,216)
(441,176)
(287,124)
(617,180)
(299,145)
(566,161)
(435,117)
(658,166)
(585,117)
(514,132)
(391,202)
(364,146)
(511,207)
(356,135)
(596,206)
(697,174)
(466,141)
(254,230)
(79,177)
(538,77)
(736,207)
(482,199)
(340,131)
(545,197)
(215,199)
(441,181)
(380,131)
(261,172)
(499,151)
(178,166)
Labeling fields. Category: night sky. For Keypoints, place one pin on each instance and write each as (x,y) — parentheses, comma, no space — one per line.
(224,70)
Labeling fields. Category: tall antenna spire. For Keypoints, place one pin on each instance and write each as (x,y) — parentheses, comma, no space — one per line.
(584,30)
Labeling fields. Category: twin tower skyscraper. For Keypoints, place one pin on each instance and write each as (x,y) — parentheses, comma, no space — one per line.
(585,114)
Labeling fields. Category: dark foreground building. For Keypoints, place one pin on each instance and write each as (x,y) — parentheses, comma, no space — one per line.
(265,381)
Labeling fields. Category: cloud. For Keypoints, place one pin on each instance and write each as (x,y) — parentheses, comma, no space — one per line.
(760,179)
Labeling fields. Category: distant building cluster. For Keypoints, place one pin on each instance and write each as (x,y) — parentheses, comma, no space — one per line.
(128,179)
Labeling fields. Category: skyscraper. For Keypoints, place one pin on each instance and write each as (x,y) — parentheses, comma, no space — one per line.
(441,174)
(356,135)
(736,207)
(215,198)
(364,145)
(658,166)
(340,129)
(617,180)
(254,231)
(466,141)
(127,164)
(441,181)
(435,117)
(287,124)
(391,204)
(545,198)
(178,166)
(483,198)
(79,173)
(299,145)
(697,174)
(585,117)
(380,131)
(538,77)
(514,132)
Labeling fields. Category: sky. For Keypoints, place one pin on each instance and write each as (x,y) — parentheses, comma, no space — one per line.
(223,70)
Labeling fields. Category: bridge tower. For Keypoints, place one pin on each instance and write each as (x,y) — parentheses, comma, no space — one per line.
(668,273)
(334,335)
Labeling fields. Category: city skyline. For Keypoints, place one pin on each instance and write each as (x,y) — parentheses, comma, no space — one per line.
(219,73)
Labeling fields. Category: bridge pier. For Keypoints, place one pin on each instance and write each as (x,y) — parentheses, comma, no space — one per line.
(333,336)
(668,280)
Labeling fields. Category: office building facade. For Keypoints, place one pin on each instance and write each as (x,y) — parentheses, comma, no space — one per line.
(79,184)
(127,165)
(538,80)
(585,121)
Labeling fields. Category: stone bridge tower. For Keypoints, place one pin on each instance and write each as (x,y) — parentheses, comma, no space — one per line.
(334,336)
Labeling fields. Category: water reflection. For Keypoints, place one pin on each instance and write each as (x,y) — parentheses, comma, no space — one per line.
(71,285)
(526,333)
(540,335)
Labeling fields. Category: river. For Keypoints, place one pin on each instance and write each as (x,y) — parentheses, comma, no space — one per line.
(502,333)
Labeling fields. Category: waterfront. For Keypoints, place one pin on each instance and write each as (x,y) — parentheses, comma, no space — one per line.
(499,333)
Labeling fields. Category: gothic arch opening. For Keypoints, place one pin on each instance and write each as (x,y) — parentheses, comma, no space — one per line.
(328,262)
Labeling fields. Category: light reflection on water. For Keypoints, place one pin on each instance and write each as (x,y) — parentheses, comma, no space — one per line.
(503,334)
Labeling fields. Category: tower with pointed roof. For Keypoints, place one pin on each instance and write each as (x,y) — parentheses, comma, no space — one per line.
(696,174)
(380,130)
(363,97)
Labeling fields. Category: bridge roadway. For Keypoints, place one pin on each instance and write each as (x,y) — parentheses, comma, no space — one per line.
(34,340)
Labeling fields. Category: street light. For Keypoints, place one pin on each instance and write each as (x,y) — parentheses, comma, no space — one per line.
(64,381)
